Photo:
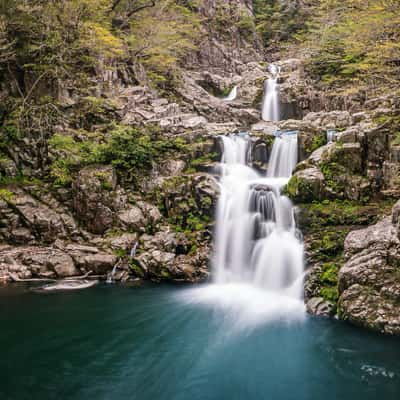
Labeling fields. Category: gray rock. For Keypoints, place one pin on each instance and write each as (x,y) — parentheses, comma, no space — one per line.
(99,263)
(330,120)
(319,306)
(306,185)
(132,218)
(369,284)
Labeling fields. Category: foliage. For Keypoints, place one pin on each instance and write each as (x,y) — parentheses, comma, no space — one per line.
(132,150)
(71,154)
(329,281)
(6,195)
(330,293)
(278,21)
(163,35)
(355,41)
(70,40)
(57,39)
(316,142)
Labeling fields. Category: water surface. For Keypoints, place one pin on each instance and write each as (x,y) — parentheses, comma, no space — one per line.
(152,342)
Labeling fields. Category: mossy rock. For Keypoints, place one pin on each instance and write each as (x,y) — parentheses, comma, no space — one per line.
(306,185)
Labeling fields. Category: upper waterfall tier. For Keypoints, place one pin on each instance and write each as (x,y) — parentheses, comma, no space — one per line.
(270,107)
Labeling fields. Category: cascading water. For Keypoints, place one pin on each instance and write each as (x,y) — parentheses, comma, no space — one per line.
(256,240)
(270,106)
(331,135)
(258,251)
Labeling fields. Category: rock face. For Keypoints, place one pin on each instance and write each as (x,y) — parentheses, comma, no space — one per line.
(92,203)
(369,284)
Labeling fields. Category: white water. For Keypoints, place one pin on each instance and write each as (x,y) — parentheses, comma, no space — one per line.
(270,106)
(331,135)
(258,253)
(283,158)
(110,275)
(232,94)
(255,238)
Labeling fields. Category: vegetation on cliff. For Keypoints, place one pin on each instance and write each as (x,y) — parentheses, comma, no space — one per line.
(347,42)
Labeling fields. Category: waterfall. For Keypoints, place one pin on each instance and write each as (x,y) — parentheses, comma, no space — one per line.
(283,158)
(270,106)
(110,275)
(331,135)
(232,94)
(256,239)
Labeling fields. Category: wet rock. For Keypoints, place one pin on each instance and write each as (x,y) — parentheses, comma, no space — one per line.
(396,217)
(320,307)
(206,193)
(43,222)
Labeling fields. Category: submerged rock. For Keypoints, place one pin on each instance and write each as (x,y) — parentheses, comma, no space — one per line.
(69,285)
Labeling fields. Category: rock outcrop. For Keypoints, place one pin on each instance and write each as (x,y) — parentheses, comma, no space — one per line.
(369,284)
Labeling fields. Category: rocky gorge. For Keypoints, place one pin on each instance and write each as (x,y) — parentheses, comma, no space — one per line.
(125,174)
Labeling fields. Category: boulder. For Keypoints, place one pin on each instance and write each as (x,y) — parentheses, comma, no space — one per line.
(369,284)
(306,185)
(99,263)
(320,307)
(133,218)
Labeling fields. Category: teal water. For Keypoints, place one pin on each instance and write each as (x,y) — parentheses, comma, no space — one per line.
(146,343)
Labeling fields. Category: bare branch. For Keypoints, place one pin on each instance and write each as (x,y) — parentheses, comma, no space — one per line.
(140,8)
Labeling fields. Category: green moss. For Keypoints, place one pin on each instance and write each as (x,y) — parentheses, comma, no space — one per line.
(121,253)
(329,275)
(104,181)
(328,244)
(330,294)
(245,25)
(396,139)
(203,160)
(299,190)
(72,154)
(316,142)
(114,232)
(341,212)
(332,171)
(6,195)
(136,269)
(165,274)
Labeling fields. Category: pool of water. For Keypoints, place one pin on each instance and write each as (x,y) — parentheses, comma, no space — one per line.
(153,342)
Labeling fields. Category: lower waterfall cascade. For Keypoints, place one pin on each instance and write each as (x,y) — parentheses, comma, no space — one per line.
(257,260)
(256,239)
